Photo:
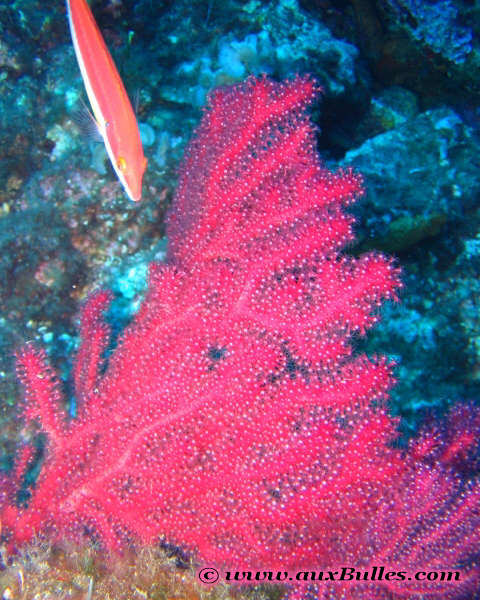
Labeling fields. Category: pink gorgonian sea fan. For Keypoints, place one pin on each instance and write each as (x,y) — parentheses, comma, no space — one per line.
(233,419)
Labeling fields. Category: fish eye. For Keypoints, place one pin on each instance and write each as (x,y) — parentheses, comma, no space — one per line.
(121,164)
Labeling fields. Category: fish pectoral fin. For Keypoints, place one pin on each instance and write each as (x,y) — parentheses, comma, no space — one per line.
(86,122)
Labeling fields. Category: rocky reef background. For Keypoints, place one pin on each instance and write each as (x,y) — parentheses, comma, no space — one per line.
(400,103)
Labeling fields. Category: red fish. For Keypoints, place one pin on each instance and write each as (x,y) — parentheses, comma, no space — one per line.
(108,98)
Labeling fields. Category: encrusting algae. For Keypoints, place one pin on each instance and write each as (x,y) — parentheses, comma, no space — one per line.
(68,571)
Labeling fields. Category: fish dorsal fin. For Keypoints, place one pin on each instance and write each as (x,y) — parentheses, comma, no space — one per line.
(136,101)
